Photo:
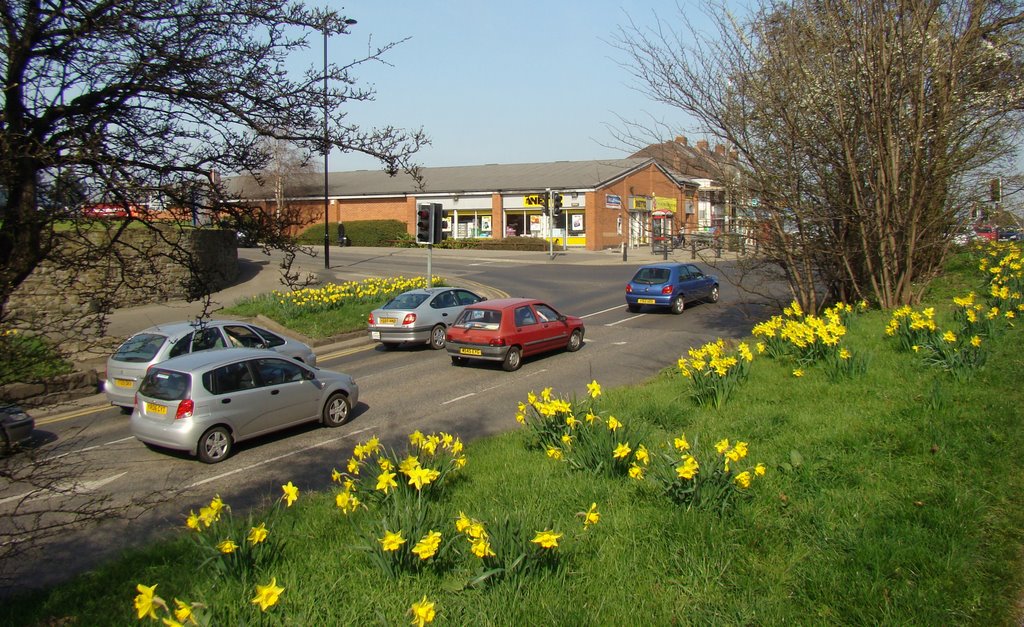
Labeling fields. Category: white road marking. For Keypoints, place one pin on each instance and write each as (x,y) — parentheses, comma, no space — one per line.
(459,398)
(88,448)
(71,488)
(597,313)
(273,459)
(612,324)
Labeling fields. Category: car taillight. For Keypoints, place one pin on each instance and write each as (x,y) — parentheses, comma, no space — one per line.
(185,408)
(497,341)
(409,318)
(369,320)
(629,288)
(136,402)
(667,289)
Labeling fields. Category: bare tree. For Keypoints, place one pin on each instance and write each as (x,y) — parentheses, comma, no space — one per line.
(862,127)
(137,99)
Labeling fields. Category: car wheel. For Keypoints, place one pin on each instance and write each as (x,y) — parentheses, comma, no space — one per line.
(513,359)
(678,305)
(337,410)
(457,361)
(215,445)
(575,341)
(437,337)
(713,297)
(632,308)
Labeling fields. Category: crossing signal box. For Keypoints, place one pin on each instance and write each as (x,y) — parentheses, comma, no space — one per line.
(429,223)
(423,226)
(556,205)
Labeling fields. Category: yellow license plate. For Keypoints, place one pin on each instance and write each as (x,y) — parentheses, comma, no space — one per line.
(388,320)
(153,408)
(123,383)
(645,301)
(470,351)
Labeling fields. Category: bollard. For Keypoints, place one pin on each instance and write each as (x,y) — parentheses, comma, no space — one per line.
(623,251)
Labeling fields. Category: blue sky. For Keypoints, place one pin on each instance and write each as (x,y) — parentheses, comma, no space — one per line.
(497,82)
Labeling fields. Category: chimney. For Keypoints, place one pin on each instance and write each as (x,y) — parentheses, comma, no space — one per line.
(720,150)
(702,144)
(681,139)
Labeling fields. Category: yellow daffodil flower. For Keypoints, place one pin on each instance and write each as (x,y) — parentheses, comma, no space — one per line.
(428,545)
(422,612)
(268,595)
(591,516)
(594,389)
(621,451)
(258,534)
(391,541)
(386,481)
(146,601)
(291,493)
(546,539)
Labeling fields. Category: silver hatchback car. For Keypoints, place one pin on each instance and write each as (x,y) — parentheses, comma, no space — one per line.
(128,364)
(205,402)
(419,316)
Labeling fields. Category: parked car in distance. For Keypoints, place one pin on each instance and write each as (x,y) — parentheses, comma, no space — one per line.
(419,316)
(15,427)
(128,364)
(207,401)
(508,329)
(670,285)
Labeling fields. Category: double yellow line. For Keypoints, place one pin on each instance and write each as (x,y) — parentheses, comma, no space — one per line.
(78,413)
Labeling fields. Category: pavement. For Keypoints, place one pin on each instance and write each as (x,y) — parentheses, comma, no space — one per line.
(260,273)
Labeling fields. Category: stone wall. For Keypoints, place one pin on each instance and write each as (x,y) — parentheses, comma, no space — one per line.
(67,299)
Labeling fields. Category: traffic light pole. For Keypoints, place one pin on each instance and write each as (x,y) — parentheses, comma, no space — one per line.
(551,226)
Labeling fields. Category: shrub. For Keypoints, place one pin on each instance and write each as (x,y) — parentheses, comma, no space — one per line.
(361,233)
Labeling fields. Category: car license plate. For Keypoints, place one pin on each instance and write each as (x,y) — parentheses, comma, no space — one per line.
(645,301)
(470,351)
(388,320)
(374,335)
(123,383)
(153,408)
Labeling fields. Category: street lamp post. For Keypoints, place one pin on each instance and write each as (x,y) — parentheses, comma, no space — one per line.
(327,233)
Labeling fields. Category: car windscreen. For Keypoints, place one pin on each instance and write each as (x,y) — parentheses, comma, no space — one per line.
(489,319)
(166,385)
(406,301)
(140,348)
(652,275)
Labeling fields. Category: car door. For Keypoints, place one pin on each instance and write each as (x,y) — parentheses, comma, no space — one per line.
(445,308)
(235,398)
(241,336)
(556,330)
(529,332)
(697,283)
(287,394)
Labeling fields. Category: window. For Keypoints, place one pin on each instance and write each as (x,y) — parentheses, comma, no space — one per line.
(206,339)
(405,301)
(181,347)
(229,378)
(244,337)
(547,314)
(524,316)
(269,339)
(488,319)
(443,300)
(140,348)
(466,298)
(166,385)
(278,371)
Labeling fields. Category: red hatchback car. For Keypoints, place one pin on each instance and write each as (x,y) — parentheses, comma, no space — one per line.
(509,329)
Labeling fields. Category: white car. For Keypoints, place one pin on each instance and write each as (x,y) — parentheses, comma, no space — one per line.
(128,365)
(419,316)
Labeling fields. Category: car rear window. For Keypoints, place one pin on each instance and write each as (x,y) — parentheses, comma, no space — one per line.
(489,319)
(141,348)
(166,385)
(652,275)
(406,301)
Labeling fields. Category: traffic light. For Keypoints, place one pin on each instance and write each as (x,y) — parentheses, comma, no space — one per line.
(544,203)
(437,223)
(556,205)
(423,224)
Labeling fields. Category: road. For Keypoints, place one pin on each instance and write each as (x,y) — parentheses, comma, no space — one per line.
(401,391)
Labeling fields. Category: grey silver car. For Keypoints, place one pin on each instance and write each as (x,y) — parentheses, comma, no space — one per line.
(207,401)
(419,316)
(128,364)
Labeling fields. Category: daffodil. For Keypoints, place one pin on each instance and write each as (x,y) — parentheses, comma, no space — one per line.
(688,469)
(546,539)
(422,612)
(591,516)
(462,522)
(419,476)
(636,472)
(146,601)
(227,546)
(391,541)
(613,424)
(335,475)
(482,548)
(428,545)
(643,455)
(183,612)
(258,534)
(760,470)
(681,444)
(192,522)
(621,451)
(291,493)
(743,479)
(268,595)
(594,389)
(386,481)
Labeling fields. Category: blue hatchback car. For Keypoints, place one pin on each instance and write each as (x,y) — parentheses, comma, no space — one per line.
(671,285)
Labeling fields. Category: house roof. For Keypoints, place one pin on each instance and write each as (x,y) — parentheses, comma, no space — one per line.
(688,162)
(519,177)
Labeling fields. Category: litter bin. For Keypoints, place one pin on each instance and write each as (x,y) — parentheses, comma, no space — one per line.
(342,240)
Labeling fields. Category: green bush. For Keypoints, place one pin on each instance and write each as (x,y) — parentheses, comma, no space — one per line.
(508,243)
(360,233)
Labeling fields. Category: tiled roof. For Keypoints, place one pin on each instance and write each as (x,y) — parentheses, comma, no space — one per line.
(519,177)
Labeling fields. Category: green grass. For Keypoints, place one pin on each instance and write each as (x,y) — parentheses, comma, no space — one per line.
(314,325)
(893,498)
(27,359)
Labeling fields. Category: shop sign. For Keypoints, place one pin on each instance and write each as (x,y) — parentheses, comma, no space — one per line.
(640,203)
(665,204)
(611,201)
